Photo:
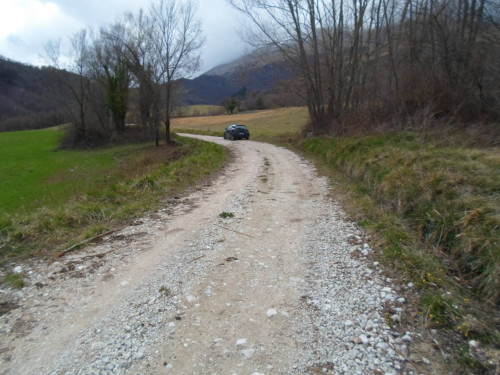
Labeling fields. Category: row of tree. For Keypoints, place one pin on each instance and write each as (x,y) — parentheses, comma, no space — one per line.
(133,62)
(374,60)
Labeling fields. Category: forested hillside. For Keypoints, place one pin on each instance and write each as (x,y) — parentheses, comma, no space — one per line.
(28,97)
(243,79)
(398,64)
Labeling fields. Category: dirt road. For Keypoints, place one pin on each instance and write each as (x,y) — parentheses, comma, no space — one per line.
(286,285)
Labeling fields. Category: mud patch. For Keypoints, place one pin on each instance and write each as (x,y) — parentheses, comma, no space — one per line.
(7,306)
(325,368)
(127,238)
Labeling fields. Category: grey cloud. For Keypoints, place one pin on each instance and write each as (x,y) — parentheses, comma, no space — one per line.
(16,41)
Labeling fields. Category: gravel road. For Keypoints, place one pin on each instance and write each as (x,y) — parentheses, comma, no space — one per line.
(287,285)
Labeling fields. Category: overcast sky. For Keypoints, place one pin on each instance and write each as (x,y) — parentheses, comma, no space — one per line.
(26,25)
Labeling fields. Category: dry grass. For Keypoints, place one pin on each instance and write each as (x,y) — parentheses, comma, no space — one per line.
(434,210)
(263,125)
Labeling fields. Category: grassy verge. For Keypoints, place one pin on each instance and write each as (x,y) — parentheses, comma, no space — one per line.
(36,173)
(68,196)
(435,210)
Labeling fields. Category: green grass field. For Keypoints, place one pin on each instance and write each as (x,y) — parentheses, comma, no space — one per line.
(50,197)
(36,173)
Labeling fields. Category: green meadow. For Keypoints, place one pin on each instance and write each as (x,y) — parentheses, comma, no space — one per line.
(34,172)
(51,198)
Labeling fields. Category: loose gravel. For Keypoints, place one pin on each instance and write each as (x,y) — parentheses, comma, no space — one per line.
(288,285)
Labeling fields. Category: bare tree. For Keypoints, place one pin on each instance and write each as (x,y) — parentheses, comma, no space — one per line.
(138,53)
(384,58)
(177,38)
(76,85)
(326,40)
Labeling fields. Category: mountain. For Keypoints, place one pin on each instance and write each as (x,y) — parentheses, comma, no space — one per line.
(258,72)
(30,98)
(27,98)
(207,89)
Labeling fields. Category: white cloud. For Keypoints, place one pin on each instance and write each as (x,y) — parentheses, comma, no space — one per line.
(26,25)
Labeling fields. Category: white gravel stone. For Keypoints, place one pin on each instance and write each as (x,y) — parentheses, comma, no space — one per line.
(348,323)
(139,355)
(271,313)
(474,344)
(407,338)
(248,353)
(241,342)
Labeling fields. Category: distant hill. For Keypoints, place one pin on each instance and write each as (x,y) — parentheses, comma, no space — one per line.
(27,99)
(207,89)
(257,72)
(30,99)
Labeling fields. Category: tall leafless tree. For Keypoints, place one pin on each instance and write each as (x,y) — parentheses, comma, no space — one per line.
(383,58)
(177,39)
(76,85)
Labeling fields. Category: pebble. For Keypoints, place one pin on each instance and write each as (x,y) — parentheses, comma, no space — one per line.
(139,355)
(396,318)
(271,313)
(474,344)
(241,342)
(248,353)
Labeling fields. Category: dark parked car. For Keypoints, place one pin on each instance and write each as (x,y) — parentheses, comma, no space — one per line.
(235,131)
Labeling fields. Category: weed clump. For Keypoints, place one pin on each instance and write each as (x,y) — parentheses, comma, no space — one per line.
(14,280)
(225,215)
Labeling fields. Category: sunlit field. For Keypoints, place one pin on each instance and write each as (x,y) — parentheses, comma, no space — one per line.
(273,123)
